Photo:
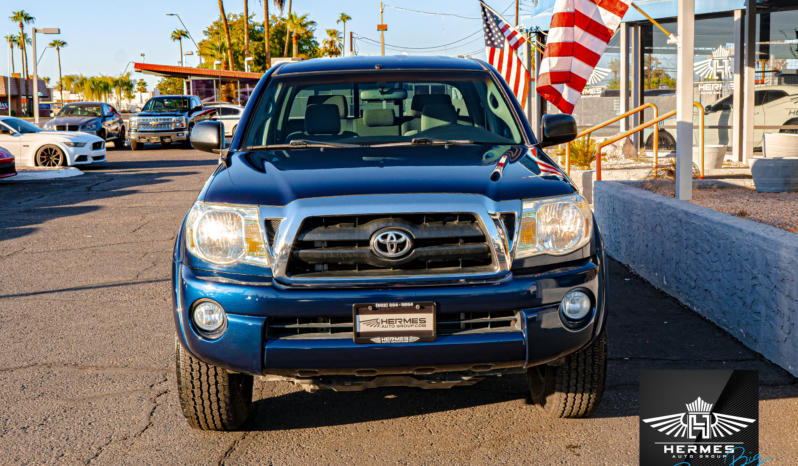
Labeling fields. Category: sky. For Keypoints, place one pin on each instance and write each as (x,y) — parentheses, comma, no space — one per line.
(105,35)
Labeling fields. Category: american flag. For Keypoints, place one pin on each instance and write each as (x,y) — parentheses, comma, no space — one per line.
(579,33)
(545,167)
(501,43)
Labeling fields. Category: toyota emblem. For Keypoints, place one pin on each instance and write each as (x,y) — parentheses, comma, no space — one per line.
(391,244)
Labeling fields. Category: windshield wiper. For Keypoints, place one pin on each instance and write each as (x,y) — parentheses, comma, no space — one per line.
(428,142)
(304,144)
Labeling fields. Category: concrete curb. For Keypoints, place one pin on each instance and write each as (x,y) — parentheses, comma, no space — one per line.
(44,175)
(741,275)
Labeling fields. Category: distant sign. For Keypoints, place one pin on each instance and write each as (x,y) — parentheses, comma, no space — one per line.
(44,106)
(4,105)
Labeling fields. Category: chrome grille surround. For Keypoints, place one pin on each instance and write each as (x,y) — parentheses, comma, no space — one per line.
(483,208)
(161,123)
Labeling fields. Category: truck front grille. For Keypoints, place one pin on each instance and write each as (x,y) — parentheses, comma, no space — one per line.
(341,246)
(155,124)
(464,323)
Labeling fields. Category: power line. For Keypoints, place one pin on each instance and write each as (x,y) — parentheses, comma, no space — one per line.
(424,48)
(430,14)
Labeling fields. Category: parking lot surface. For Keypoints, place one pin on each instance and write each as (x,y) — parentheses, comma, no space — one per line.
(87,353)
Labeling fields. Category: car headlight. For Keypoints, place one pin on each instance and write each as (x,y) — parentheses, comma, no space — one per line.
(226,234)
(180,122)
(92,126)
(133,122)
(556,226)
(48,126)
(75,144)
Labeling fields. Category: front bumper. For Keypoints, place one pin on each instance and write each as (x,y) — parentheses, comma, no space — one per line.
(245,346)
(7,167)
(156,137)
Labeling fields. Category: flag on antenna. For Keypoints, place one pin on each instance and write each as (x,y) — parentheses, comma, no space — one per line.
(578,36)
(501,43)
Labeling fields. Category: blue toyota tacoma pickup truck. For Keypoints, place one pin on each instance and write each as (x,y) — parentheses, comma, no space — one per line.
(386,221)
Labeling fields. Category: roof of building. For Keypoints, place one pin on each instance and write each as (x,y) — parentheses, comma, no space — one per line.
(185,72)
(387,63)
(17,83)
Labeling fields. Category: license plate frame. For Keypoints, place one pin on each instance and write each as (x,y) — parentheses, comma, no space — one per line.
(411,329)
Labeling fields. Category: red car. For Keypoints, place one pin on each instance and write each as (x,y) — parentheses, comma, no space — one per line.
(7,167)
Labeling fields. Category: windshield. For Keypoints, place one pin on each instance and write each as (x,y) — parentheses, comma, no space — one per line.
(167,104)
(81,110)
(379,108)
(21,126)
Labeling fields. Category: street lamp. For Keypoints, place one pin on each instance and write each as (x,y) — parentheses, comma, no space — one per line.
(42,55)
(189,34)
(187,54)
(142,58)
(35,75)
(120,84)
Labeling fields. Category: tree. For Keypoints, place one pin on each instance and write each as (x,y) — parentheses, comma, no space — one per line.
(22,18)
(332,44)
(12,41)
(46,80)
(170,86)
(655,74)
(58,45)
(288,30)
(266,43)
(141,86)
(615,66)
(226,36)
(246,30)
(299,26)
(343,19)
(177,36)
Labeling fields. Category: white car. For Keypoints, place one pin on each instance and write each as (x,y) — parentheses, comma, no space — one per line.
(228,114)
(32,146)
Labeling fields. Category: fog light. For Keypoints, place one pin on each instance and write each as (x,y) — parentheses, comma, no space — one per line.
(209,316)
(575,305)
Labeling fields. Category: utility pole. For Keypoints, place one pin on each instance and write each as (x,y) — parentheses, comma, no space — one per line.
(351,46)
(382,27)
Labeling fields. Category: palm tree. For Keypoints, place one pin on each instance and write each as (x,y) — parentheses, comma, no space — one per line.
(287,30)
(299,26)
(332,45)
(177,36)
(343,19)
(246,32)
(141,86)
(58,45)
(12,41)
(279,4)
(226,36)
(22,18)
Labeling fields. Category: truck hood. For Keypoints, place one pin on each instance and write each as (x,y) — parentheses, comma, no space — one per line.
(277,178)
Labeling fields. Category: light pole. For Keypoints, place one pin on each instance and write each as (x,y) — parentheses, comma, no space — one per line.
(189,34)
(248,63)
(142,58)
(42,55)
(120,84)
(35,76)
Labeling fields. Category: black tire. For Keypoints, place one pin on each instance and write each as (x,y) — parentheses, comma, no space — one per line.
(135,145)
(50,156)
(573,389)
(211,397)
(794,121)
(119,143)
(166,144)
(187,142)
(666,141)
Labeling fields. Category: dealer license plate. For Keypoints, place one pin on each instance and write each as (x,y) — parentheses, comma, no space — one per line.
(400,322)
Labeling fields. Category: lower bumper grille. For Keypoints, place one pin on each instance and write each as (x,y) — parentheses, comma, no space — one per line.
(464,323)
(97,145)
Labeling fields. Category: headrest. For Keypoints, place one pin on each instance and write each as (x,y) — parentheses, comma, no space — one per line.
(322,119)
(378,117)
(338,100)
(422,100)
(438,115)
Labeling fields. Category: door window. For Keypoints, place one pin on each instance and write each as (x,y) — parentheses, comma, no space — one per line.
(774,96)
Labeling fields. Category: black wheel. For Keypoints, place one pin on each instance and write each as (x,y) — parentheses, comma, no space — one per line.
(187,142)
(211,397)
(135,145)
(666,141)
(50,156)
(794,121)
(119,143)
(574,388)
(166,144)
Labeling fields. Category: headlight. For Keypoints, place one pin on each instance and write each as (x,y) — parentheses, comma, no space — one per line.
(225,234)
(92,126)
(75,144)
(48,126)
(133,122)
(556,226)
(180,122)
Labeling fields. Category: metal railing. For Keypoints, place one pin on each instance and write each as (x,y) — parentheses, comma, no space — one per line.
(607,123)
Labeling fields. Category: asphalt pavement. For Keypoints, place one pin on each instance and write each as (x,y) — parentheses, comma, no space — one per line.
(87,353)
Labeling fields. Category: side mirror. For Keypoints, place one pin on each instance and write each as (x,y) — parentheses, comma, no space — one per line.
(208,136)
(708,109)
(196,109)
(556,129)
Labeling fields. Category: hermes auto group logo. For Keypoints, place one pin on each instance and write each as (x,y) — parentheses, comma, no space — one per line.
(699,422)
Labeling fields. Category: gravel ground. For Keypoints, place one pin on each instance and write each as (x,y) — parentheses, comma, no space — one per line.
(775,209)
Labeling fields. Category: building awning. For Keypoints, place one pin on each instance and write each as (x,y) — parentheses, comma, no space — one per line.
(185,72)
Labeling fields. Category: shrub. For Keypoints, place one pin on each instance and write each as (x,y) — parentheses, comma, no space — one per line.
(13,113)
(583,152)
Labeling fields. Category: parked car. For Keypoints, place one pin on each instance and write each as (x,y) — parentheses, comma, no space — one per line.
(167,119)
(7,166)
(97,118)
(228,114)
(427,241)
(32,146)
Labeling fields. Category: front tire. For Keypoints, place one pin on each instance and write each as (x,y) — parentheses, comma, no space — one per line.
(50,156)
(211,397)
(574,388)
(119,143)
(135,145)
(187,142)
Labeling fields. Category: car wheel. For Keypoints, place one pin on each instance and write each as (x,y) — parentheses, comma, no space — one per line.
(166,144)
(211,397)
(794,121)
(119,143)
(666,141)
(135,145)
(50,156)
(574,388)
(187,142)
